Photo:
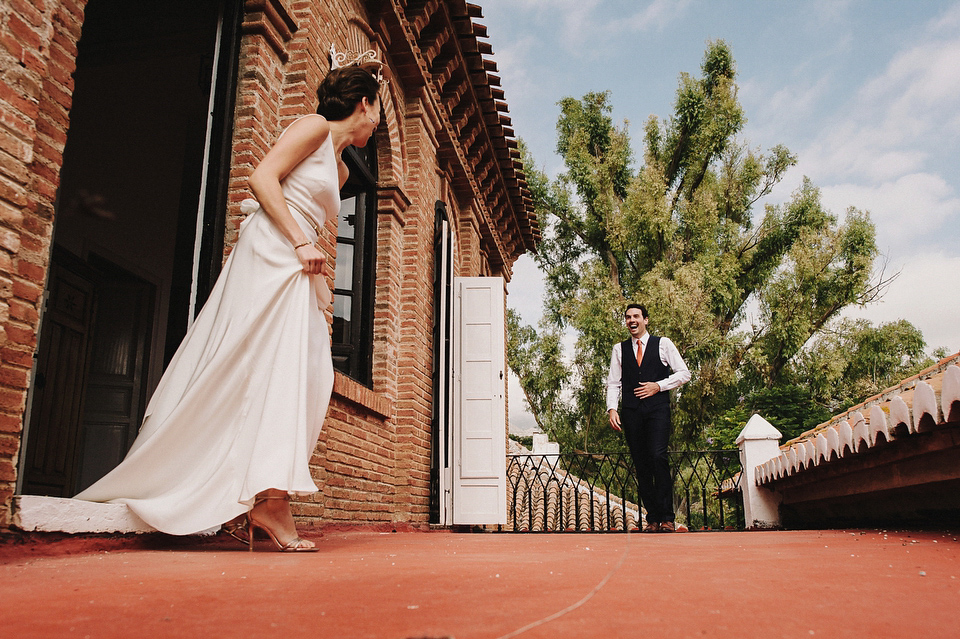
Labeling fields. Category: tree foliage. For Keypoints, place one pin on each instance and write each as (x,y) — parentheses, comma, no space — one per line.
(854,360)
(849,361)
(681,234)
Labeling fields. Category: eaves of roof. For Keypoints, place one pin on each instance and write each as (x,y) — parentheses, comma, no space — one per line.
(438,46)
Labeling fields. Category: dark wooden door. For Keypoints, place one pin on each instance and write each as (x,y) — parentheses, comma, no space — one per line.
(115,386)
(58,386)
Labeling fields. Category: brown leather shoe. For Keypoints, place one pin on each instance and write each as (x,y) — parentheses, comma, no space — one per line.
(652,527)
(667,527)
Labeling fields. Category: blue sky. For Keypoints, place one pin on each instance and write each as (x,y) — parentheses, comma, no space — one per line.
(866,93)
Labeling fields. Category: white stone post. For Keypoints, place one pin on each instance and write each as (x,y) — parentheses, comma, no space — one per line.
(543,446)
(759,442)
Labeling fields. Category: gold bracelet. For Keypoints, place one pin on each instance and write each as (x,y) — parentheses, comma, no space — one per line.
(303,244)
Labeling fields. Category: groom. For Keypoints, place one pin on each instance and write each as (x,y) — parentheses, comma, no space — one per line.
(646,367)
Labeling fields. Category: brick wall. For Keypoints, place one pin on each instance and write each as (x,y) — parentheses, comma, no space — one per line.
(38,48)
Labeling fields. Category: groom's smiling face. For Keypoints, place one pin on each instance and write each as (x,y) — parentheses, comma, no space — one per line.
(636,323)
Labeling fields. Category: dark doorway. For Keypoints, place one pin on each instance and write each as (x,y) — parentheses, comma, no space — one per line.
(138,236)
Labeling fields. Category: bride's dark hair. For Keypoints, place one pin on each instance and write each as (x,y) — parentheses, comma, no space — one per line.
(342,89)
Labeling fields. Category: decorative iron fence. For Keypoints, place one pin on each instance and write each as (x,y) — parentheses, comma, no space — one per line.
(592,492)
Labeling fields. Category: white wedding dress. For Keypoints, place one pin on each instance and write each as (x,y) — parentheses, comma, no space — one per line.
(241,405)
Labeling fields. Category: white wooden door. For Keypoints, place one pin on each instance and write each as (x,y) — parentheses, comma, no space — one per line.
(480,448)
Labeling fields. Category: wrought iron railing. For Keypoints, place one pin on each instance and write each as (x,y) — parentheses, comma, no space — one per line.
(592,492)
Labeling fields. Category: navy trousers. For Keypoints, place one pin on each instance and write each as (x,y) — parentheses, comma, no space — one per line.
(647,431)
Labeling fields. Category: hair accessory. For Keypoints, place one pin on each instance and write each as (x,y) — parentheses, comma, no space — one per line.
(367,60)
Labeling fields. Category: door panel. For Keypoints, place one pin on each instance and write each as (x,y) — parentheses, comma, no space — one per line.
(115,391)
(59,381)
(480,424)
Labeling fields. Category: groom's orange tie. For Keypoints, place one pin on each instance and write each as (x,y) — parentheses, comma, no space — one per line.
(639,352)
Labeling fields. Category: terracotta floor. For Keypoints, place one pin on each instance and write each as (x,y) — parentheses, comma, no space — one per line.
(491,586)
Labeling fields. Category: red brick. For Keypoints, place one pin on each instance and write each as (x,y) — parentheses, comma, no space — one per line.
(30,244)
(16,172)
(27,11)
(58,95)
(364,458)
(23,311)
(11,400)
(47,174)
(46,189)
(10,423)
(11,45)
(74,11)
(68,34)
(9,446)
(9,240)
(21,335)
(37,225)
(57,134)
(32,272)
(27,290)
(7,471)
(23,32)
(16,147)
(14,377)
(16,356)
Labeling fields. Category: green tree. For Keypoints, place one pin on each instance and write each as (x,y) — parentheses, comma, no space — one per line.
(790,408)
(681,235)
(854,360)
(847,363)
(538,360)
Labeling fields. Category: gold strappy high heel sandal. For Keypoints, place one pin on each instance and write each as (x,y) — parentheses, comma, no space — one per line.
(239,530)
(294,545)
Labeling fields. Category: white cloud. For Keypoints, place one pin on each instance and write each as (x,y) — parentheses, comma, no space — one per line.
(776,111)
(919,92)
(828,12)
(513,60)
(948,23)
(925,294)
(575,16)
(860,155)
(525,290)
(917,206)
(584,26)
(656,15)
(898,122)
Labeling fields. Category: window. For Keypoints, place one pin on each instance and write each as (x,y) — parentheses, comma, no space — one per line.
(353,285)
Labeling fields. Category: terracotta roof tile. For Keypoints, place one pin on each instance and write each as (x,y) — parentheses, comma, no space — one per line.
(919,403)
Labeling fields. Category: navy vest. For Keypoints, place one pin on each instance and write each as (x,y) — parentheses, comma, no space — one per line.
(651,369)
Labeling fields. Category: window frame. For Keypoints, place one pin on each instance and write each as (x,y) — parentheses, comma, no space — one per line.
(352,340)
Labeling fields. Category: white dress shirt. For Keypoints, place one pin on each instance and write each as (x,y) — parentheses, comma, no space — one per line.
(669,356)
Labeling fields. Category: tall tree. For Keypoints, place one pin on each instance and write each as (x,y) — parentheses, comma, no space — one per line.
(681,235)
(853,359)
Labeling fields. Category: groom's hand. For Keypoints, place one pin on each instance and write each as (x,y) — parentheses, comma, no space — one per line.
(615,420)
(646,389)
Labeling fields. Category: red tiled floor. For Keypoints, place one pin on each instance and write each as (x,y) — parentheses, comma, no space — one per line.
(489,586)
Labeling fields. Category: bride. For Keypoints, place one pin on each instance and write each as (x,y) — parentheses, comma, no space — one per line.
(229,432)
